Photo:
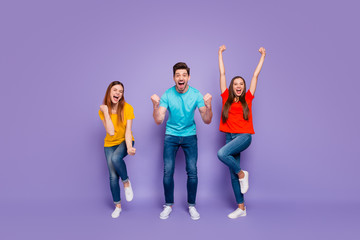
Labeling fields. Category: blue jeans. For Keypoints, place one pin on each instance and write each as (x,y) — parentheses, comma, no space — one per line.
(230,156)
(117,168)
(171,146)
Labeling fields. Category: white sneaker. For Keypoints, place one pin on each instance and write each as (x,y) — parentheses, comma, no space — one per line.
(237,213)
(193,213)
(244,182)
(165,212)
(116,212)
(129,194)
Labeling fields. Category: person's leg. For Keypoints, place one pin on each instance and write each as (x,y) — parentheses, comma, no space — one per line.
(118,161)
(114,177)
(189,145)
(171,146)
(120,166)
(236,184)
(235,144)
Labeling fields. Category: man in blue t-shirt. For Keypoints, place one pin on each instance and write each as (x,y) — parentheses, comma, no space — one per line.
(181,101)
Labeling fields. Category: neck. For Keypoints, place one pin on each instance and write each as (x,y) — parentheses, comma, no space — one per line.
(184,91)
(114,107)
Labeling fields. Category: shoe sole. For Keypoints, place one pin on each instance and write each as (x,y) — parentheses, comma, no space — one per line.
(195,218)
(237,216)
(163,218)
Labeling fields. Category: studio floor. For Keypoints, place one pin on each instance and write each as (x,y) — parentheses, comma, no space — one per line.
(265,220)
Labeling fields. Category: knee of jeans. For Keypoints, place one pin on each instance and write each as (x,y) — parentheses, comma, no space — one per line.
(168,171)
(221,154)
(191,171)
(115,159)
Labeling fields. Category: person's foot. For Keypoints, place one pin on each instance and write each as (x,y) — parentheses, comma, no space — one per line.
(129,194)
(194,213)
(165,212)
(116,212)
(237,213)
(244,182)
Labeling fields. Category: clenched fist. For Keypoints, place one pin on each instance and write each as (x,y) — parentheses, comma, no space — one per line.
(131,151)
(262,51)
(207,100)
(155,100)
(222,48)
(104,108)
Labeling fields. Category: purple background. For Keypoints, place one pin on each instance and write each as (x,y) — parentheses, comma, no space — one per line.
(58,57)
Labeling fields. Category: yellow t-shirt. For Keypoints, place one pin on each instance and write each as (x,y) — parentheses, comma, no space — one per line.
(119,135)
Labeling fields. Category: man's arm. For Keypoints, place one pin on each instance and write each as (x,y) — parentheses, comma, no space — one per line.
(205,111)
(159,112)
(257,71)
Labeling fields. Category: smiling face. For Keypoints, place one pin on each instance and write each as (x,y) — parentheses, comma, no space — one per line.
(181,78)
(238,87)
(116,93)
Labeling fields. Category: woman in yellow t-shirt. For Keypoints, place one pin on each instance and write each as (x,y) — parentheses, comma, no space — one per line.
(117,116)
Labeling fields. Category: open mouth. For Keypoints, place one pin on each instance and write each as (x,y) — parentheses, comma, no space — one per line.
(181,85)
(116,98)
(238,91)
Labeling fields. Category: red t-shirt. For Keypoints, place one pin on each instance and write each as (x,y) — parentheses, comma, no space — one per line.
(236,122)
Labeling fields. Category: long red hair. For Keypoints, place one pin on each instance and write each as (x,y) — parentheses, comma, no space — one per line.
(108,103)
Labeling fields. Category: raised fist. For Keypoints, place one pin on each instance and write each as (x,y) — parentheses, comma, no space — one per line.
(104,108)
(262,51)
(207,100)
(155,100)
(222,48)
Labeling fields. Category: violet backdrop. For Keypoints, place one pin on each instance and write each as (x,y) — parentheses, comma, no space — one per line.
(58,57)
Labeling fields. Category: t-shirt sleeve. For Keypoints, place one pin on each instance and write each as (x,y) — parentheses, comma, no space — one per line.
(225,96)
(101,115)
(129,112)
(249,96)
(164,101)
(200,100)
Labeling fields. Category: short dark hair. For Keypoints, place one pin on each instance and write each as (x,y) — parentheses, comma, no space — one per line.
(181,65)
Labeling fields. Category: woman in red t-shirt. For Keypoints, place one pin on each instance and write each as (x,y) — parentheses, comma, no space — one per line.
(236,122)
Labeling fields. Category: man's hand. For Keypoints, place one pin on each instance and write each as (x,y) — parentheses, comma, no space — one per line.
(155,100)
(207,100)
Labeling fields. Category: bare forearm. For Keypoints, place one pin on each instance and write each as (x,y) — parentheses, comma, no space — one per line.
(207,116)
(221,64)
(128,139)
(158,116)
(109,127)
(222,69)
(254,79)
(259,66)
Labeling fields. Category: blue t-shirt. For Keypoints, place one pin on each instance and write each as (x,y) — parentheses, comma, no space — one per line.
(181,107)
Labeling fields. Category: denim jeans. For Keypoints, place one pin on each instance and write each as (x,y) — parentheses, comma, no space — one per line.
(230,156)
(171,146)
(117,168)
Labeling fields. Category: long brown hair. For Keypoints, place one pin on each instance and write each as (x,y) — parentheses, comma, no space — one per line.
(108,103)
(230,100)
